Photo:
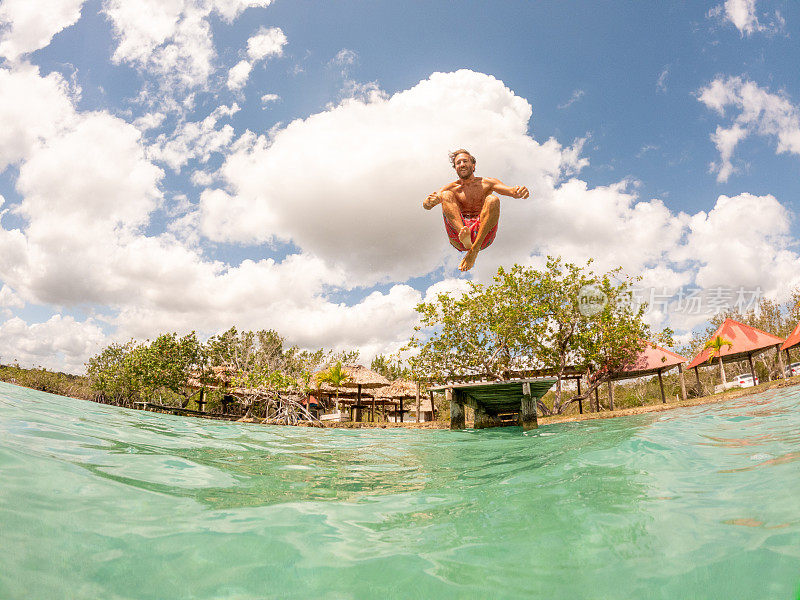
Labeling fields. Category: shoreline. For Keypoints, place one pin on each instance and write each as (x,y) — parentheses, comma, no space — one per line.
(732,394)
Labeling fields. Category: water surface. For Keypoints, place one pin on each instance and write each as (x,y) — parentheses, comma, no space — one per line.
(103,502)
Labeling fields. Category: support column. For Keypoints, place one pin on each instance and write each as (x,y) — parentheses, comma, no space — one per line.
(661,386)
(433,408)
(418,401)
(699,385)
(752,370)
(401,409)
(357,415)
(457,416)
(683,382)
(580,400)
(610,395)
(781,366)
(527,409)
(482,418)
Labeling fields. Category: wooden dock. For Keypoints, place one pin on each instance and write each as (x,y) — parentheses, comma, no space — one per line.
(492,399)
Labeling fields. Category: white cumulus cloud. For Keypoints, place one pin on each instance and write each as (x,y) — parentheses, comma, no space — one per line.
(347,184)
(266,43)
(28,26)
(756,111)
(59,343)
(743,14)
(171,38)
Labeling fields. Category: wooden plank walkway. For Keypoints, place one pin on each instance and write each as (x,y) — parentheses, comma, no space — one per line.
(490,399)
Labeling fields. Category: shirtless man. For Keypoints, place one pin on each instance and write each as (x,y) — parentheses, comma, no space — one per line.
(470,210)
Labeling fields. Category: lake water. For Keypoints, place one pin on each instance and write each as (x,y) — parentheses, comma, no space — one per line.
(103,502)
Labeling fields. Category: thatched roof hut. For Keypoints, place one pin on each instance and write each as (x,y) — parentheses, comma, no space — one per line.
(362,377)
(401,388)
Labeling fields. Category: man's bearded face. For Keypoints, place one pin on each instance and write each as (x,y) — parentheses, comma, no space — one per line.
(463,166)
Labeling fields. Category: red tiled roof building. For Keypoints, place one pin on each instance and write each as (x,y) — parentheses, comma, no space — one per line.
(745,341)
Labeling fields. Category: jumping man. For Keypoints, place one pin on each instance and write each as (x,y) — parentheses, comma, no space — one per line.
(470,210)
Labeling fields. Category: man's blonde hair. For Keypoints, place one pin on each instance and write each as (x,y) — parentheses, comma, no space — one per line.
(455,153)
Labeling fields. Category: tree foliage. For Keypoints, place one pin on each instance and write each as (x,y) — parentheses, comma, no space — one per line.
(390,367)
(532,319)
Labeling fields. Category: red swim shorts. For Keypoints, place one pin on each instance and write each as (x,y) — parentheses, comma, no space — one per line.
(474,225)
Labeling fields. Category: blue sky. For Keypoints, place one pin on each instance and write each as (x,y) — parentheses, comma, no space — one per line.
(196,164)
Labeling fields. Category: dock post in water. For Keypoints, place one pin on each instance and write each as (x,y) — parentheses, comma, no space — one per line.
(527,412)
(457,416)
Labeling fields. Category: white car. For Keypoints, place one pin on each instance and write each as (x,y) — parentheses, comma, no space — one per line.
(793,369)
(745,380)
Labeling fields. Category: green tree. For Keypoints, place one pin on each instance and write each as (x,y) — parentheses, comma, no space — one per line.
(529,319)
(476,333)
(166,363)
(110,374)
(556,327)
(714,347)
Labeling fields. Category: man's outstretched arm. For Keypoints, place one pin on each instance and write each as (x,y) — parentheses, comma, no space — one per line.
(499,187)
(434,198)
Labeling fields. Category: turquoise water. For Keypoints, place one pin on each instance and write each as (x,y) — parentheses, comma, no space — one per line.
(102,502)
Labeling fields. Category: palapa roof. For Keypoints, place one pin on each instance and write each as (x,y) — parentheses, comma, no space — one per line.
(359,375)
(745,340)
(793,339)
(400,388)
(651,359)
(366,378)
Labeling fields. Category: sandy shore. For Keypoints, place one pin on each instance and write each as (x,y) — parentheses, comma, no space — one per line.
(608,414)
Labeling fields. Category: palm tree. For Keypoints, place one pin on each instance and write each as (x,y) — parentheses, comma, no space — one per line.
(335,376)
(715,349)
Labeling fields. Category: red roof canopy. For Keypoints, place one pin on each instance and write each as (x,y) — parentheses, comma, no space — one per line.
(745,340)
(793,339)
(653,358)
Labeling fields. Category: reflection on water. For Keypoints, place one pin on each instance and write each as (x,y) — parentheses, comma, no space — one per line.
(101,502)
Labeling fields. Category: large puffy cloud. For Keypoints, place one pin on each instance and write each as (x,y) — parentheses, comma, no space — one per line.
(348,183)
(89,191)
(757,112)
(30,26)
(744,241)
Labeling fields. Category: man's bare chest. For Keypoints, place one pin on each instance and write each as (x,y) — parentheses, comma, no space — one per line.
(471,194)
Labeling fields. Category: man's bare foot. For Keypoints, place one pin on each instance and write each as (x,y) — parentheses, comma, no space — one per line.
(469,259)
(465,237)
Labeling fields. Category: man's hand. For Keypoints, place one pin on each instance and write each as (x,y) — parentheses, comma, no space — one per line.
(432,200)
(520,192)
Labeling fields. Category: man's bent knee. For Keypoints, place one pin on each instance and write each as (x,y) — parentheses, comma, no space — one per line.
(491,205)
(448,197)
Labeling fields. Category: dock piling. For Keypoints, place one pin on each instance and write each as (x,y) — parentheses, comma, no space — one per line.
(527,412)
(457,416)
